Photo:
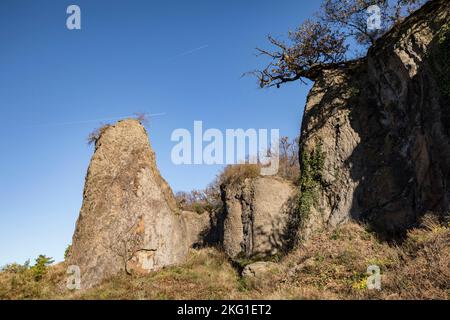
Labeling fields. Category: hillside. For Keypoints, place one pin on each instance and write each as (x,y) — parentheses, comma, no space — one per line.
(331,265)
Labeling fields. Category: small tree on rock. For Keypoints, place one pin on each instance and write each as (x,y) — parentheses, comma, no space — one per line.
(324,42)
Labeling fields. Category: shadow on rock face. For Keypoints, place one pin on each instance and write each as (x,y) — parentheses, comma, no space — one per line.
(382,124)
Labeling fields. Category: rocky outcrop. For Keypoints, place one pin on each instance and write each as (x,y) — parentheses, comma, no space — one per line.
(375,140)
(129,221)
(257,213)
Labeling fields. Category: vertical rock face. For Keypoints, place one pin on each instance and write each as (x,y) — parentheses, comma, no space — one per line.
(129,220)
(376,133)
(257,213)
(198,228)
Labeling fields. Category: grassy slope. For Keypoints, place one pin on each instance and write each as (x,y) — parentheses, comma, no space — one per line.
(332,265)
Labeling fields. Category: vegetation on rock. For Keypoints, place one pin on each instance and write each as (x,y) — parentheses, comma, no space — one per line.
(312,164)
(324,43)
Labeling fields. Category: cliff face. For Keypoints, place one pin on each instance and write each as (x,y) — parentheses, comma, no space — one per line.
(375,138)
(129,221)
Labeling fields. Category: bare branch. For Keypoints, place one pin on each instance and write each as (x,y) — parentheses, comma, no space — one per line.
(322,43)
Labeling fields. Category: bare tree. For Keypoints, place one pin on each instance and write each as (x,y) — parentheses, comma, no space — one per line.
(351,16)
(289,162)
(313,46)
(323,43)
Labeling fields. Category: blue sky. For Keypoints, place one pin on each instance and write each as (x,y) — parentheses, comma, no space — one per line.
(181,58)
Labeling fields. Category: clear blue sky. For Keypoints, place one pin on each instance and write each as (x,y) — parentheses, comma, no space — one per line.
(129,56)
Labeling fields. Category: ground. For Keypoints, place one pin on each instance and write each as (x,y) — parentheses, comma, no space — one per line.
(331,265)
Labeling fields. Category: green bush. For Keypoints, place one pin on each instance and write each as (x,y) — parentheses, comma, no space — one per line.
(40,268)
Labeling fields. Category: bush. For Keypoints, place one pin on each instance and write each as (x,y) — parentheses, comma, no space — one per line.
(96,134)
(16,267)
(40,268)
(238,173)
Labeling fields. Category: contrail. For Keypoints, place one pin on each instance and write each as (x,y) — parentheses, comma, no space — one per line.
(190,51)
(94,120)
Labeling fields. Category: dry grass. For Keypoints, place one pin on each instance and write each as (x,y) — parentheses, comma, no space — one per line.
(206,275)
(233,174)
(22,284)
(423,271)
(331,265)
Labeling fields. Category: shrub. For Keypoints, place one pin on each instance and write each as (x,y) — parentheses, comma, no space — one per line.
(238,173)
(96,134)
(40,268)
(16,267)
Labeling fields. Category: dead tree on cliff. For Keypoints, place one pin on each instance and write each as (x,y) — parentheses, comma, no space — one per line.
(324,42)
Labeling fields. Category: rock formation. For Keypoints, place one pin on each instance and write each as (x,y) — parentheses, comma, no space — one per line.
(374,146)
(129,221)
(375,138)
(257,213)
